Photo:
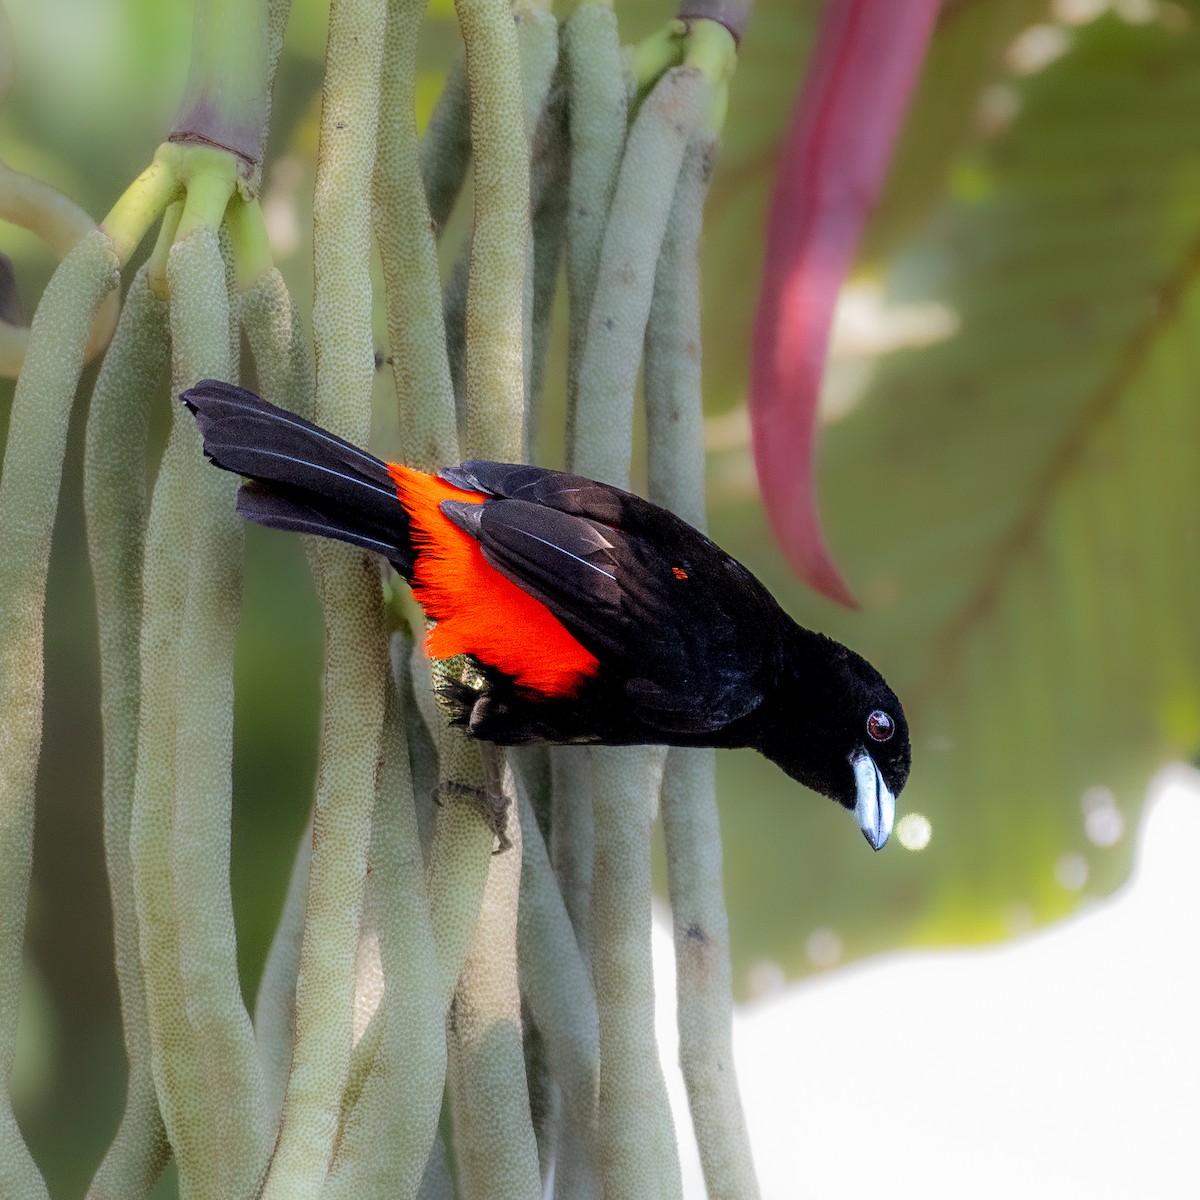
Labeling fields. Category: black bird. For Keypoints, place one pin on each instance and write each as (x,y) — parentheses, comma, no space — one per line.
(590,615)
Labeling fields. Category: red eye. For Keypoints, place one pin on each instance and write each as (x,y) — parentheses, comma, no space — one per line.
(880,726)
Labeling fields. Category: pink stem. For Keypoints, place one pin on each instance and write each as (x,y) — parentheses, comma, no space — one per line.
(867,57)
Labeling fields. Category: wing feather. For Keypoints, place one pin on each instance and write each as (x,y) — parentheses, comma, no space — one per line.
(663,624)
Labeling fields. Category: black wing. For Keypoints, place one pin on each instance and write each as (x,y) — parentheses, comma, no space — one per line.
(687,627)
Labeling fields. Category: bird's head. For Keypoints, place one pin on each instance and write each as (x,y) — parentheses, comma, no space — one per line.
(840,730)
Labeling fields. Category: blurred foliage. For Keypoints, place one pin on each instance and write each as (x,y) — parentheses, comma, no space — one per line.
(1009,474)
(1013,486)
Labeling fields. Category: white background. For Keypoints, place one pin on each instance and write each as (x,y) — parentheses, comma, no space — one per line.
(1066,1064)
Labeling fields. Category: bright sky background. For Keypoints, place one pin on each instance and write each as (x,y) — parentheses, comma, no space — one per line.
(1063,1065)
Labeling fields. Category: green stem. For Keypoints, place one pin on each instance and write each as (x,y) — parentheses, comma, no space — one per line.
(156,264)
(572,836)
(277,21)
(558,989)
(226,100)
(423,758)
(446,147)
(671,372)
(348,585)
(142,203)
(712,49)
(621,303)
(283,361)
(278,343)
(325,982)
(284,366)
(210,177)
(236,1135)
(437,1182)
(251,248)
(494,1139)
(135,370)
(460,849)
(275,1005)
(460,854)
(495,386)
(656,54)
(674,426)
(704,975)
(598,113)
(402,1096)
(572,845)
(412,285)
(454,318)
(29,485)
(19,1175)
(637,1137)
(174,1059)
(60,223)
(537,44)
(537,41)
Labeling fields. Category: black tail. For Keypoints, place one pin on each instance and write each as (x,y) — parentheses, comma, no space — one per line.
(300,477)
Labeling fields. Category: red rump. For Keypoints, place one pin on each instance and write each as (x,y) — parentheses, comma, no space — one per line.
(478,611)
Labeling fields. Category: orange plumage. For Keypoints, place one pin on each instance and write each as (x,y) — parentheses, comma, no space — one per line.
(478,611)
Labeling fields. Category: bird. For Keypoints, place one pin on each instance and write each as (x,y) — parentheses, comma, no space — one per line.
(587,614)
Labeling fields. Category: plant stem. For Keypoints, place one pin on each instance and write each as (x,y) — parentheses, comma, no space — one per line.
(494,1139)
(135,370)
(412,286)
(174,1059)
(281,356)
(495,386)
(348,585)
(551,167)
(251,248)
(598,113)
(142,203)
(625,284)
(226,101)
(446,147)
(537,44)
(386,1144)
(638,1156)
(60,223)
(278,343)
(652,57)
(733,15)
(275,1005)
(637,1148)
(29,485)
(704,975)
(236,1136)
(210,177)
(671,371)
(572,836)
(459,856)
(558,989)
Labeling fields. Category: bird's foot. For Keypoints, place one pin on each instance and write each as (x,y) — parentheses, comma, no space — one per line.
(490,799)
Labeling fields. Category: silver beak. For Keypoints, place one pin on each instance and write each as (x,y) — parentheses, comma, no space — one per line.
(876,807)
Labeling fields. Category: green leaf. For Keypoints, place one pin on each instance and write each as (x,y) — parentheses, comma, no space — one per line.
(1019,506)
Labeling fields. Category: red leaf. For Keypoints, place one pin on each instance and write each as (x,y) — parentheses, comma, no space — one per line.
(863,69)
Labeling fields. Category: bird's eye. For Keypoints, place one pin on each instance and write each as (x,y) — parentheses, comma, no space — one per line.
(880,726)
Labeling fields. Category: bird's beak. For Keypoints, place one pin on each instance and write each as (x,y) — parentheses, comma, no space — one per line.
(876,807)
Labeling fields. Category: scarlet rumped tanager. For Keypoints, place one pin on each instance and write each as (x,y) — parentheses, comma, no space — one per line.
(590,615)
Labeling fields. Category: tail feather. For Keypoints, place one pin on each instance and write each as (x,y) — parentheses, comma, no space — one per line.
(304,479)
